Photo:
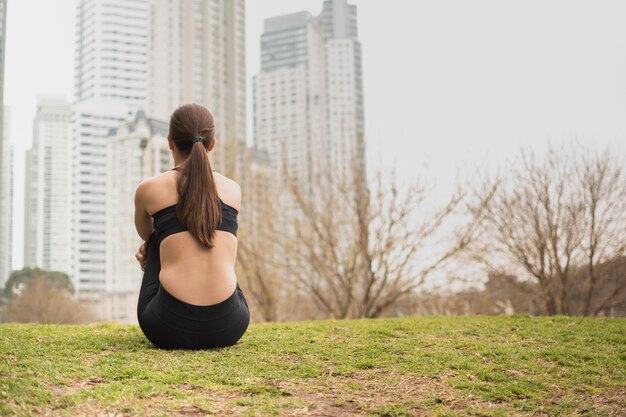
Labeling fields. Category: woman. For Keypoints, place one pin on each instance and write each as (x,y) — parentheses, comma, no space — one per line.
(189,297)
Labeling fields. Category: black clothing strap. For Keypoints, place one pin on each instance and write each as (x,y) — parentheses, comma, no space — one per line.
(167,223)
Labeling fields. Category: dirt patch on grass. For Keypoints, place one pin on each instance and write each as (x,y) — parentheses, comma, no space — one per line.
(367,391)
(74,386)
(611,401)
(215,403)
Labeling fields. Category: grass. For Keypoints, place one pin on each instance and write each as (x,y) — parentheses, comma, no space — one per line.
(435,366)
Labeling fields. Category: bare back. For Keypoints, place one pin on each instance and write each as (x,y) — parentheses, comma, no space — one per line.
(189,270)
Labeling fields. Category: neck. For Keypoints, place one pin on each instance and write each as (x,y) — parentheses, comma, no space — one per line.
(178,160)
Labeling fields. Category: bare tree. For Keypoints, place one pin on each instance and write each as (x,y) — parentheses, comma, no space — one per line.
(603,189)
(38,296)
(255,263)
(356,250)
(256,271)
(553,215)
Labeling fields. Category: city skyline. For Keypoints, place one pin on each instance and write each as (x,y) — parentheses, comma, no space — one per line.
(474,87)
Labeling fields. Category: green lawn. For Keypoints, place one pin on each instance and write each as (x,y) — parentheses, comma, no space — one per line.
(437,366)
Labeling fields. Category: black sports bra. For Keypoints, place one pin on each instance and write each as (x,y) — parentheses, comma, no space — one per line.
(166,222)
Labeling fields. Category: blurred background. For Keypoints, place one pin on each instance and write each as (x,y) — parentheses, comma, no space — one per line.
(396,158)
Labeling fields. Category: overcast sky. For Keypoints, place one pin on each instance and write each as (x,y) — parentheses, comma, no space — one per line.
(447,84)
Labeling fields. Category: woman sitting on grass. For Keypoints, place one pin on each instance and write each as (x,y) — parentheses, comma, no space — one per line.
(190,297)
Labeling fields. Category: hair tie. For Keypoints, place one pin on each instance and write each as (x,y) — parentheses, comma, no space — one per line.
(197,139)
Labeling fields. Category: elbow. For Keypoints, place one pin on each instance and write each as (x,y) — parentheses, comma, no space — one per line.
(145,232)
(145,236)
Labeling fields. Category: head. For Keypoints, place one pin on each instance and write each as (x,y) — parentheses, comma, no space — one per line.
(198,207)
(187,120)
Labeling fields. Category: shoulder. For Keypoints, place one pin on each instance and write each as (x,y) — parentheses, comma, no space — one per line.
(143,188)
(146,187)
(150,182)
(228,190)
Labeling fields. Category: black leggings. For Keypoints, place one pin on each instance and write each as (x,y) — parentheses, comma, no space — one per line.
(170,323)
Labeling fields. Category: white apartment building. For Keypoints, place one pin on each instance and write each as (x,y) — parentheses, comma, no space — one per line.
(6,204)
(198,55)
(112,40)
(284,92)
(135,150)
(344,86)
(5,167)
(308,97)
(47,195)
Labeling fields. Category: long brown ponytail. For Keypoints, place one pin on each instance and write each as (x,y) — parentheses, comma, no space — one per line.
(198,207)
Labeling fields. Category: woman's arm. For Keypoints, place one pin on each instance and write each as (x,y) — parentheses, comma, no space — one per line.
(142,255)
(143,220)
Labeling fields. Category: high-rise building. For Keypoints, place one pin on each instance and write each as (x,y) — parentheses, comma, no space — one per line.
(3,31)
(6,205)
(198,55)
(47,196)
(135,150)
(5,166)
(11,193)
(308,97)
(288,95)
(111,67)
(344,118)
